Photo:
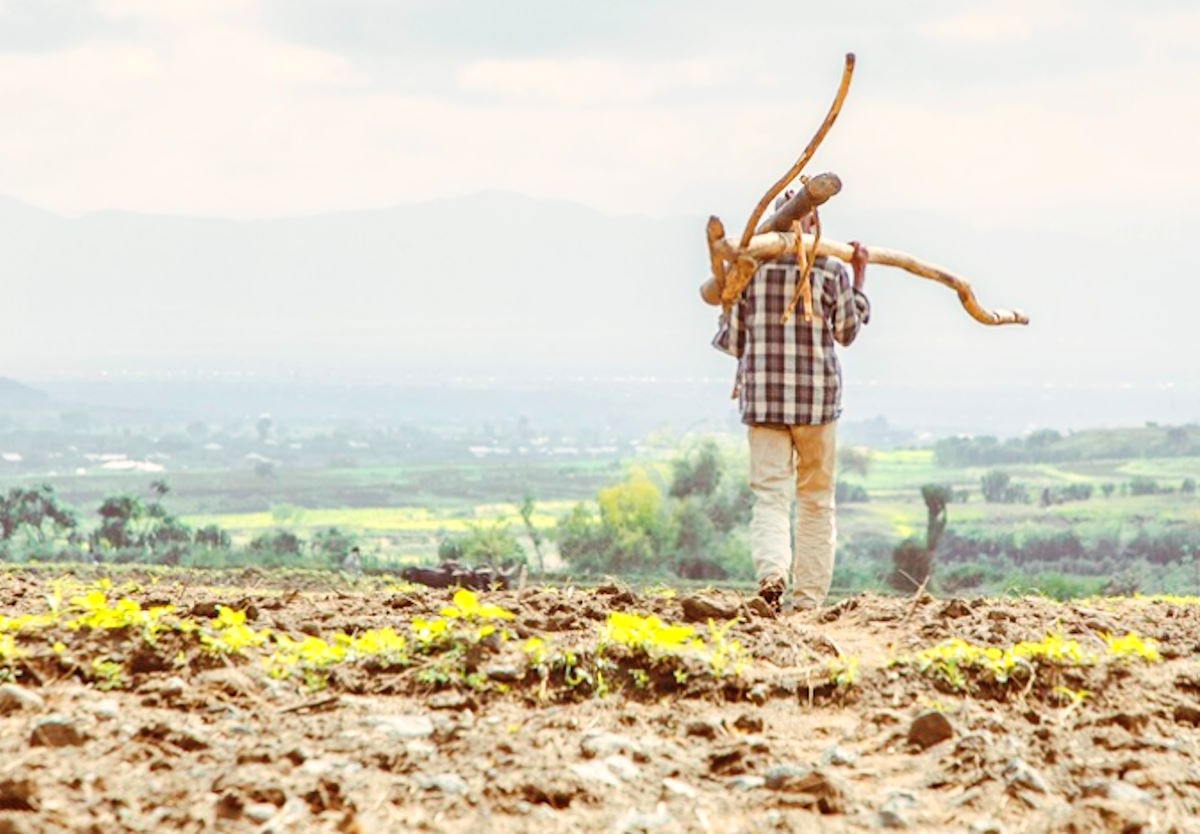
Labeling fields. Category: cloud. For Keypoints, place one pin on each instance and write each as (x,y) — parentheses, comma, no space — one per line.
(576,82)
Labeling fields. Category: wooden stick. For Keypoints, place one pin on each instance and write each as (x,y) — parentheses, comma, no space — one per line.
(798,166)
(772,245)
(816,192)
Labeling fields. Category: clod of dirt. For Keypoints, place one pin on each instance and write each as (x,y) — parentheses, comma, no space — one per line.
(13,824)
(229,681)
(617,596)
(930,728)
(555,792)
(698,608)
(164,736)
(13,698)
(703,729)
(727,760)
(953,609)
(748,723)
(18,794)
(815,787)
(1187,714)
(55,731)
(449,699)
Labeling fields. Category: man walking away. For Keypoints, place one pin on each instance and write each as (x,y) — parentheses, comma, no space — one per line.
(789,393)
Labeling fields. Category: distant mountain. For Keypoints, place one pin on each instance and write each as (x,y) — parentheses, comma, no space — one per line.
(15,395)
(497,284)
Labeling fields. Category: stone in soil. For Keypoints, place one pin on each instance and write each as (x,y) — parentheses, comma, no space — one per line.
(986,827)
(595,772)
(55,731)
(606,744)
(1018,774)
(13,698)
(402,727)
(675,787)
(930,728)
(837,756)
(819,789)
(746,782)
(448,783)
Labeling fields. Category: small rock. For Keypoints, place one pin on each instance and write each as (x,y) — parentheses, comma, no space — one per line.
(930,728)
(1117,790)
(1018,774)
(835,755)
(329,767)
(55,731)
(172,687)
(622,766)
(260,812)
(748,723)
(599,745)
(678,788)
(595,772)
(106,708)
(402,726)
(703,729)
(758,693)
(986,827)
(504,674)
(781,776)
(637,821)
(449,699)
(448,783)
(746,783)
(891,813)
(13,698)
(419,748)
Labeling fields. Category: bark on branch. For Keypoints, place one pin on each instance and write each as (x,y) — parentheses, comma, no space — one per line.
(765,247)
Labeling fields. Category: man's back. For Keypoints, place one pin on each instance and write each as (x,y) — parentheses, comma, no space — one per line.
(788,374)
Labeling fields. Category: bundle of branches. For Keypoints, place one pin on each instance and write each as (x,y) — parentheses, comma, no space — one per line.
(733,267)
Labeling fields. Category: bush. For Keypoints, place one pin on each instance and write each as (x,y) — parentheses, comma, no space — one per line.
(847,493)
(911,565)
(1143,486)
(994,485)
(697,472)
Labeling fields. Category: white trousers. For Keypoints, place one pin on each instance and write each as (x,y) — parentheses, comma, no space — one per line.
(784,459)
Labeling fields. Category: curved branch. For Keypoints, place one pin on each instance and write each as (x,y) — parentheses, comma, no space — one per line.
(774,244)
(814,143)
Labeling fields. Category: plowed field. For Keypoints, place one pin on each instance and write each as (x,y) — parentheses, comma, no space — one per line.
(257,702)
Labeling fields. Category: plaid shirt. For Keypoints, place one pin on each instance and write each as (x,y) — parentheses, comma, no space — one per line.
(789,374)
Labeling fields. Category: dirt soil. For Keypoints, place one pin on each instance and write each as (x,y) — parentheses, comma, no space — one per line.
(827,723)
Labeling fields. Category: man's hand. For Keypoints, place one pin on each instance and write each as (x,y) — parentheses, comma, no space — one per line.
(859,262)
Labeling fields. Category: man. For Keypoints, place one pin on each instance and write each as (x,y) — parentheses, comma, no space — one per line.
(789,394)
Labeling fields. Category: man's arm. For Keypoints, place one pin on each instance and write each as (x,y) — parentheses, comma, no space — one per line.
(852,309)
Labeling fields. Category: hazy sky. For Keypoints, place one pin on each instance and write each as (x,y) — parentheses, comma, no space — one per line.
(1045,149)
(1052,110)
